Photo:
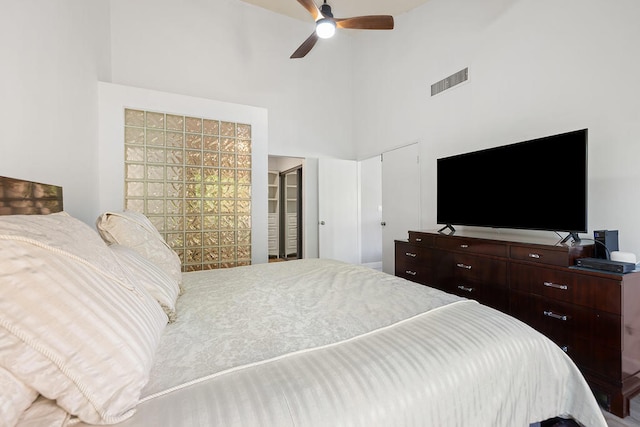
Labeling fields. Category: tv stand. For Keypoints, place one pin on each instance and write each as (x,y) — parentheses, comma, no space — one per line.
(572,235)
(448,226)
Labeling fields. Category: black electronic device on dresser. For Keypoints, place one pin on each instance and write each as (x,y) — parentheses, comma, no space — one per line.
(594,316)
(606,242)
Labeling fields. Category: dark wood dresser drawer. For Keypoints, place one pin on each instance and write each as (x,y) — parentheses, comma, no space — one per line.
(413,262)
(424,239)
(479,269)
(474,246)
(540,255)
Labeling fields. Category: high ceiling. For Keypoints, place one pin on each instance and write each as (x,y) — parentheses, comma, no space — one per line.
(341,8)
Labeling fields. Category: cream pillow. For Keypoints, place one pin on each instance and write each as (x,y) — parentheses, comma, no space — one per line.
(73,326)
(162,287)
(15,397)
(134,230)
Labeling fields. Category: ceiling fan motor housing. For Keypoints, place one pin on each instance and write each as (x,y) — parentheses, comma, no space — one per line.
(325,9)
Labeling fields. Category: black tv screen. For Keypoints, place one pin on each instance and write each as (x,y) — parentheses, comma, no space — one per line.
(539,184)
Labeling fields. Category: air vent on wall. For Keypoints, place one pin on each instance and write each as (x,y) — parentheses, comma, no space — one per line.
(450,81)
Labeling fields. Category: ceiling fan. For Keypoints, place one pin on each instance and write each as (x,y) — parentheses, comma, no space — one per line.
(326,25)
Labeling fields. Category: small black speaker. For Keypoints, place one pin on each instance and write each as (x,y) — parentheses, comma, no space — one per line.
(606,242)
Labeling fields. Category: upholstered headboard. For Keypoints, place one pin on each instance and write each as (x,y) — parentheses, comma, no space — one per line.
(28,198)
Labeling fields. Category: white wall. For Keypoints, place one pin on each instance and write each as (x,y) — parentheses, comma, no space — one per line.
(232,51)
(536,67)
(53,54)
(113,100)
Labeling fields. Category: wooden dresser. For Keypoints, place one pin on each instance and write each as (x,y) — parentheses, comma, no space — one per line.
(593,316)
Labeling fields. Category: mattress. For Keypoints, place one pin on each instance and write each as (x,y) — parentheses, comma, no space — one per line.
(323,343)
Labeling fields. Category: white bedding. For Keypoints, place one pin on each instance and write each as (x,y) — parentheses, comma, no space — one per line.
(321,343)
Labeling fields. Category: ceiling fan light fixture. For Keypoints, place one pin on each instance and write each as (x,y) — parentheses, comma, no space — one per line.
(325,28)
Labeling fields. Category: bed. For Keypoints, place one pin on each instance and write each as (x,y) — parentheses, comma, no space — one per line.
(102,328)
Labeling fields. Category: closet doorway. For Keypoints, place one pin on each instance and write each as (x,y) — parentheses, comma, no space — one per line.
(285,208)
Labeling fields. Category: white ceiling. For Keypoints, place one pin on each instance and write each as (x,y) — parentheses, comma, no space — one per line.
(340,8)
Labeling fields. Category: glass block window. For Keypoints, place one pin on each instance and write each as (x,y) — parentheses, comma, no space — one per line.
(192,177)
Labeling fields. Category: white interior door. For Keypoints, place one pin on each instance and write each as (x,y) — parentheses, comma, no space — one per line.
(400,199)
(371,212)
(338,210)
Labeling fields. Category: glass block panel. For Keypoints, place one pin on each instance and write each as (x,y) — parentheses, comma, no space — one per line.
(133,117)
(155,155)
(210,222)
(175,189)
(155,189)
(175,156)
(227,206)
(175,207)
(155,120)
(193,222)
(193,185)
(155,206)
(155,137)
(134,189)
(227,253)
(227,160)
(227,129)
(212,255)
(175,139)
(193,157)
(155,173)
(244,192)
(243,146)
(244,253)
(243,263)
(227,238)
(175,223)
(243,206)
(228,145)
(244,131)
(193,125)
(227,222)
(194,141)
(244,237)
(244,176)
(244,162)
(227,175)
(193,239)
(135,171)
(175,122)
(228,191)
(134,153)
(211,238)
(211,143)
(211,175)
(133,135)
(244,222)
(210,127)
(158,222)
(175,173)
(134,205)
(211,159)
(211,191)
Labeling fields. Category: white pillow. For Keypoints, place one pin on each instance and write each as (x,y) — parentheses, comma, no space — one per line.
(162,287)
(72,325)
(15,397)
(134,230)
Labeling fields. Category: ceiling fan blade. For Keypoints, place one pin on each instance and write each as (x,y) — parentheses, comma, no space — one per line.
(371,22)
(306,46)
(312,8)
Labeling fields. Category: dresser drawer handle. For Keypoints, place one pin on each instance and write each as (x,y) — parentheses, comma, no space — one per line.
(464,246)
(556,316)
(413,273)
(418,239)
(412,255)
(555,286)
(461,265)
(464,288)
(535,256)
(565,348)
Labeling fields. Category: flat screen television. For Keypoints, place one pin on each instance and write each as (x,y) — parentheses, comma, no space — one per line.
(539,184)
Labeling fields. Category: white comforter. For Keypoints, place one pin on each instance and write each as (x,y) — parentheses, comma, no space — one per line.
(321,343)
